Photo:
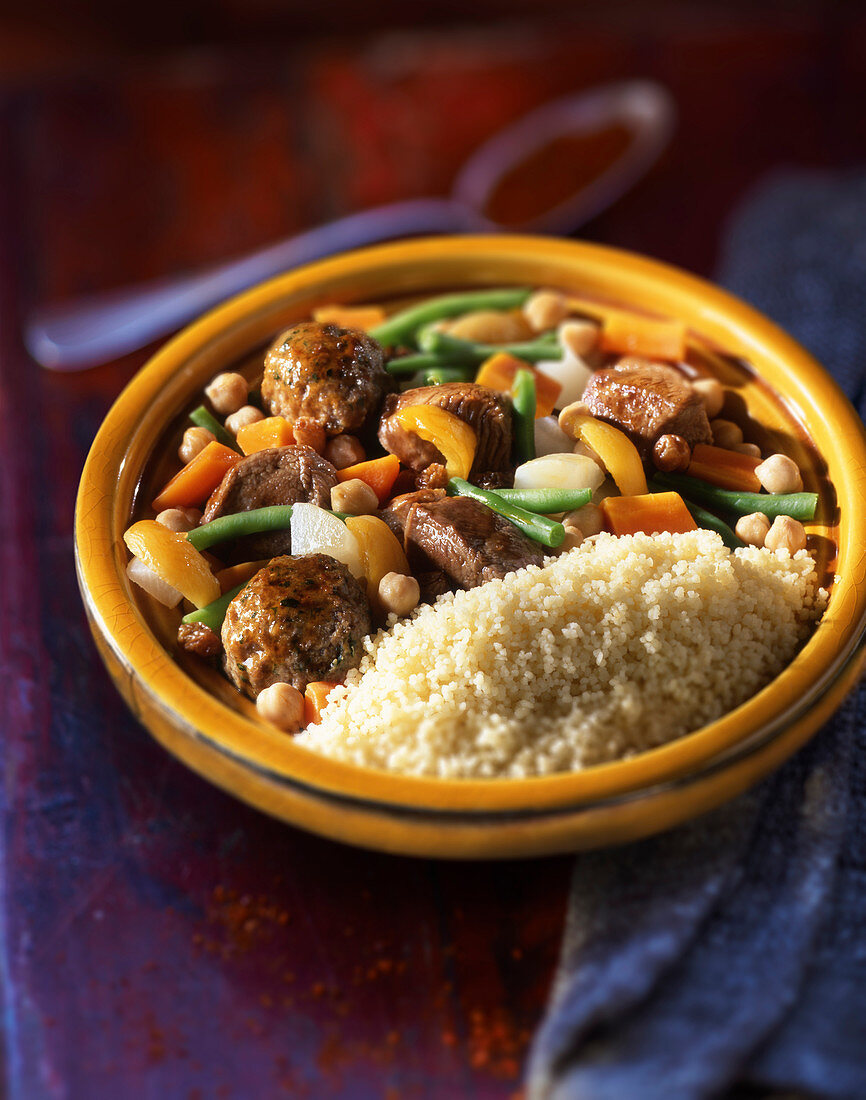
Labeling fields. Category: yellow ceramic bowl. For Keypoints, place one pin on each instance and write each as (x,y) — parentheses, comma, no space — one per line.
(200,719)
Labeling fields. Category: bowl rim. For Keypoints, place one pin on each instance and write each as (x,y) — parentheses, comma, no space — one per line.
(100,561)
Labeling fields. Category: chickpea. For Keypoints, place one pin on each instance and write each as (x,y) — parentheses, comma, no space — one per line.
(586,519)
(194,440)
(490,326)
(398,594)
(354,497)
(573,538)
(579,337)
(227,392)
(726,433)
(344,450)
(753,528)
(712,393)
(545,309)
(786,534)
(570,414)
(779,474)
(751,449)
(179,519)
(670,453)
(283,706)
(246,414)
(308,433)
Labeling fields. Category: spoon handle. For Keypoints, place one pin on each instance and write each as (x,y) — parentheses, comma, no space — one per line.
(87,331)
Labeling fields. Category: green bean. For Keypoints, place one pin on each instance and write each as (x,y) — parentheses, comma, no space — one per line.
(400,330)
(204,419)
(440,375)
(213,614)
(539,528)
(472,353)
(410,364)
(523,401)
(546,501)
(706,519)
(799,506)
(275,518)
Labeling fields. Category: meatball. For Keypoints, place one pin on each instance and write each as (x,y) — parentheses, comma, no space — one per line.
(298,620)
(333,376)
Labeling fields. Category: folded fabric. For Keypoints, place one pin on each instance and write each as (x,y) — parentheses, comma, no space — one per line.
(733,950)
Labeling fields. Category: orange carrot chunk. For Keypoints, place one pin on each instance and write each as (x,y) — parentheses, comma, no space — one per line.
(499,371)
(630,334)
(233,575)
(198,479)
(272,431)
(315,696)
(727,469)
(379,473)
(356,317)
(651,514)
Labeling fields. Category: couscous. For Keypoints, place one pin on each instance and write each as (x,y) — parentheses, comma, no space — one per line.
(618,646)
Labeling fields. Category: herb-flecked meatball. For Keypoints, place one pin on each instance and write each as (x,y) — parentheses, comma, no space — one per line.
(332,376)
(299,619)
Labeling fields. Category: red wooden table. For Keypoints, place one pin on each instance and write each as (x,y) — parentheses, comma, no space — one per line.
(158,938)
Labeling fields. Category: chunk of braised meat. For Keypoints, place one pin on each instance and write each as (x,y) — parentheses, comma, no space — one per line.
(279,475)
(433,476)
(335,377)
(432,581)
(488,413)
(648,400)
(396,511)
(468,542)
(198,638)
(300,619)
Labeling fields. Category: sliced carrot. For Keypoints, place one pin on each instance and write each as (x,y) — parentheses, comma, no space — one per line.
(379,473)
(315,696)
(233,575)
(630,334)
(650,514)
(273,431)
(499,371)
(357,317)
(198,479)
(727,469)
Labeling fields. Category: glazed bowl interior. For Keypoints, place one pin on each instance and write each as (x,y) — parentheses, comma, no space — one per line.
(788,399)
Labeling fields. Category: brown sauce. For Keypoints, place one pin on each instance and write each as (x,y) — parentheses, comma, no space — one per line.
(554,173)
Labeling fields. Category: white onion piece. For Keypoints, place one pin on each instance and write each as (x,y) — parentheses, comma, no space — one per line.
(154,585)
(559,471)
(315,531)
(572,373)
(550,439)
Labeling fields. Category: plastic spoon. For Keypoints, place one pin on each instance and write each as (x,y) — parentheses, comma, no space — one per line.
(87,331)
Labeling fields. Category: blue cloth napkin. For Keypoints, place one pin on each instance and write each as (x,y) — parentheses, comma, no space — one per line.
(732,951)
